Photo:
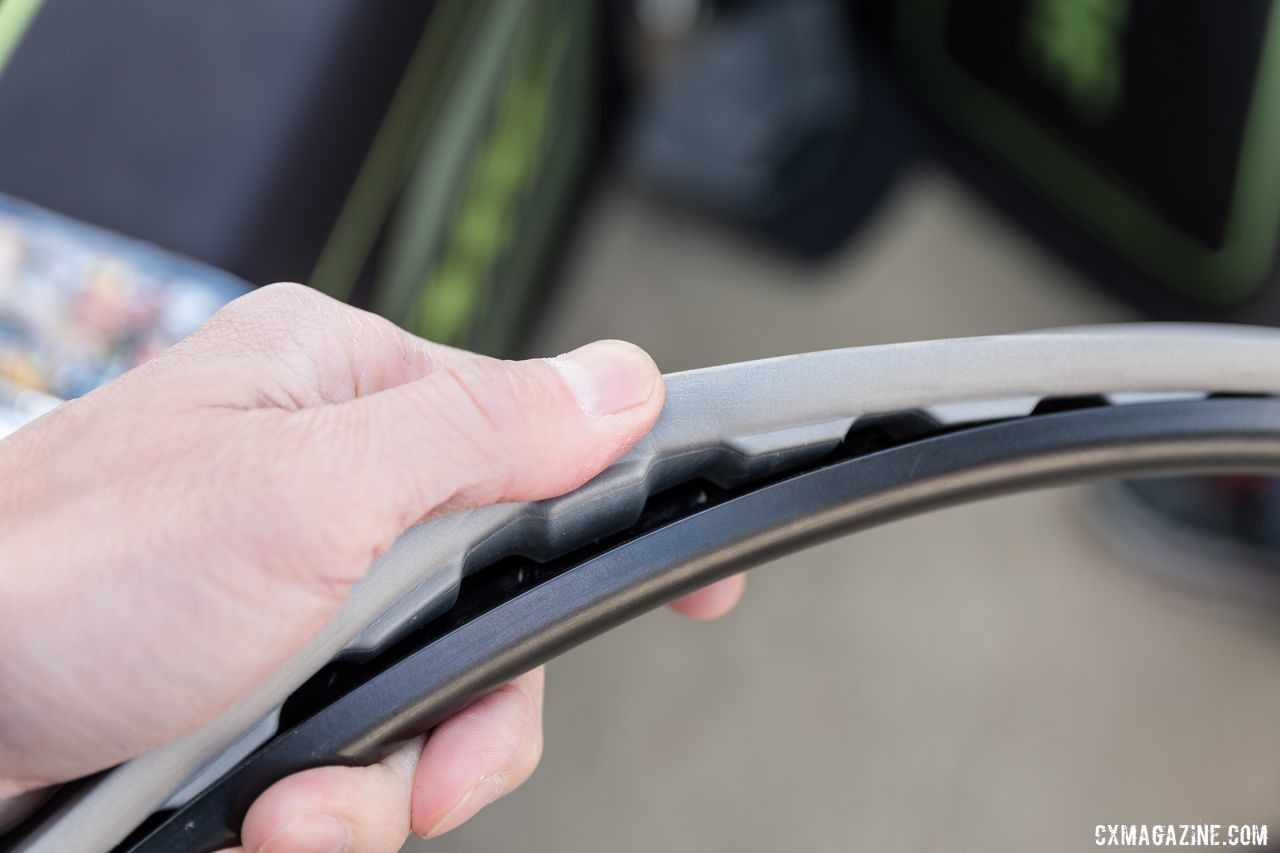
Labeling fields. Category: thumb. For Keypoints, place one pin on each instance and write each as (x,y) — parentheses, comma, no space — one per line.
(487,431)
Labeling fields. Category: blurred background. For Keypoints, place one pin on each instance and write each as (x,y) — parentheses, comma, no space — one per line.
(720,181)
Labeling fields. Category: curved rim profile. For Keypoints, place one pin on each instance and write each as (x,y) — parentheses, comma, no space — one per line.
(733,424)
(494,637)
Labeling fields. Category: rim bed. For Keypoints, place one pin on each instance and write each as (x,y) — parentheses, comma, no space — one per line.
(517,613)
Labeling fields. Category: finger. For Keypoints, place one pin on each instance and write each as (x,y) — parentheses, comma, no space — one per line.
(714,601)
(313,348)
(479,755)
(484,751)
(489,431)
(350,809)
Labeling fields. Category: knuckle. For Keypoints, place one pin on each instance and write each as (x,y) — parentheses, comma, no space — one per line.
(272,310)
(293,330)
(286,293)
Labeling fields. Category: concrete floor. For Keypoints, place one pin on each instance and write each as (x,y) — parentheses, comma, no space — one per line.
(991,677)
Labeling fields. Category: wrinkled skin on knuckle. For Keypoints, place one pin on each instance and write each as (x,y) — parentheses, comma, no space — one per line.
(312,349)
(270,336)
(377,354)
(266,304)
(261,316)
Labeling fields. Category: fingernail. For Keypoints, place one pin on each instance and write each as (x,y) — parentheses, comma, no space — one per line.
(479,795)
(608,377)
(310,832)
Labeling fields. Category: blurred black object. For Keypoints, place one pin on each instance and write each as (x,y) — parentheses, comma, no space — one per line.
(1137,137)
(229,132)
(774,120)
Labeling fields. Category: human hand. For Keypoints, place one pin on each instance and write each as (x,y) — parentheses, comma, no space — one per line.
(160,552)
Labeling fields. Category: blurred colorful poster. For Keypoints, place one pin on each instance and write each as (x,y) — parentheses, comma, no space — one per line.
(80,305)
